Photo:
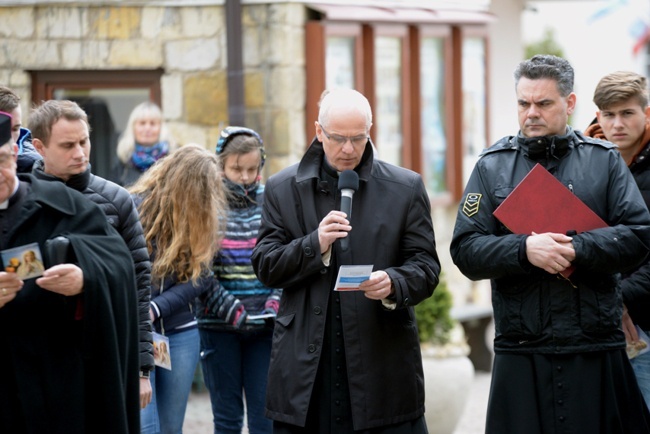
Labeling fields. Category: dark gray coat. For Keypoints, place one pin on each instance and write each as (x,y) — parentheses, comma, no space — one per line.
(392,230)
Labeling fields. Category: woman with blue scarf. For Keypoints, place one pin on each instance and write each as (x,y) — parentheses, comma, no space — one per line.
(145,140)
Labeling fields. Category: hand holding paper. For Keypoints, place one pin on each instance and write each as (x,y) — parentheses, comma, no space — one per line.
(351,276)
(378,286)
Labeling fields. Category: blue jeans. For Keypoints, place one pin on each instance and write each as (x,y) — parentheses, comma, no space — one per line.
(234,363)
(641,365)
(171,389)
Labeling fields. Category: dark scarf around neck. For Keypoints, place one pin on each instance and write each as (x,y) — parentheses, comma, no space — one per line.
(77,182)
(546,148)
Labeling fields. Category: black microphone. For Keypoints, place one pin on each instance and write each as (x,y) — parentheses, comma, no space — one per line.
(348,184)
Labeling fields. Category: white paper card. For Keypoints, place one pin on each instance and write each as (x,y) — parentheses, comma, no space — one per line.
(351,276)
(262,316)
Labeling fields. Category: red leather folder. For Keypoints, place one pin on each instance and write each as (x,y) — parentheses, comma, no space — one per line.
(540,203)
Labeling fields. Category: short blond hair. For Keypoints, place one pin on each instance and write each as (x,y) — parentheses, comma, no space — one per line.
(621,86)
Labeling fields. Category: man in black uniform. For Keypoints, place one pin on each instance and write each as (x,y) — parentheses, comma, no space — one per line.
(560,363)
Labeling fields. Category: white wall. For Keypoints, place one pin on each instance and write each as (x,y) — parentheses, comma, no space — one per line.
(594,47)
(506,51)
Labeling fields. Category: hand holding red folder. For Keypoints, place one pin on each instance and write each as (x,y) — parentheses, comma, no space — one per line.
(540,203)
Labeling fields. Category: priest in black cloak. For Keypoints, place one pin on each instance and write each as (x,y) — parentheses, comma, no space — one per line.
(69,338)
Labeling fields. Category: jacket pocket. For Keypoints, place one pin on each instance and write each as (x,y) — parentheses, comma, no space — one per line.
(280,349)
(518,309)
(600,306)
(282,323)
(285,320)
(500,193)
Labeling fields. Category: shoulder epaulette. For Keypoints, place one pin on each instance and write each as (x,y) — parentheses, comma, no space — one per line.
(506,143)
(582,139)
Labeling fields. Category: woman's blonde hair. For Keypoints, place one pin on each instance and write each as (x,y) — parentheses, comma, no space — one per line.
(183,211)
(148,109)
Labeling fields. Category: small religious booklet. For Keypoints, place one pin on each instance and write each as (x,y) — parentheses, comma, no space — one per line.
(161,351)
(540,203)
(26,261)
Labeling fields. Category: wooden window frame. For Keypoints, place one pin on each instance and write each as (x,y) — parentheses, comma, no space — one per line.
(453,34)
(45,82)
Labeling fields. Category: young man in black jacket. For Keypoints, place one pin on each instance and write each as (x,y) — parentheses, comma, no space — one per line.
(61,136)
(623,119)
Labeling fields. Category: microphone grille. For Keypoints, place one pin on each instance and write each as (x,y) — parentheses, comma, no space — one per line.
(348,179)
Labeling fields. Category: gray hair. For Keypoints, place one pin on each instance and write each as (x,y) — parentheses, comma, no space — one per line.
(547,66)
(333,99)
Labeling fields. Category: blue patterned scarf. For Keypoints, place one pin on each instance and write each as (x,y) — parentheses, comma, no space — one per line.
(144,156)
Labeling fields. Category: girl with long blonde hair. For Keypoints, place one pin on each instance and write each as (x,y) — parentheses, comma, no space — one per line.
(182,206)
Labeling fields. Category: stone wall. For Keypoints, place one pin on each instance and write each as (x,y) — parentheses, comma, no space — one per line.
(189,44)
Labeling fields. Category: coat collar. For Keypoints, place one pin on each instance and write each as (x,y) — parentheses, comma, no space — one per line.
(50,194)
(310,164)
(78,182)
(546,147)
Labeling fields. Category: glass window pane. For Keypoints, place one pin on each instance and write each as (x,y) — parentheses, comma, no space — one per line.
(108,112)
(388,109)
(434,140)
(339,61)
(474,102)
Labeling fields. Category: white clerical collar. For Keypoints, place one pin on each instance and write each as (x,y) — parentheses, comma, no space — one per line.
(5,204)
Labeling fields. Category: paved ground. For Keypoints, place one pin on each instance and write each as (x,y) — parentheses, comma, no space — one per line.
(473,419)
(198,419)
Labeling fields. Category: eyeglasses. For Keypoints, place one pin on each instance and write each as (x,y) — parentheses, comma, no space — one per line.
(342,140)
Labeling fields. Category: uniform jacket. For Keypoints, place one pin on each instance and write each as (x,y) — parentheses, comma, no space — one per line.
(122,214)
(536,312)
(636,283)
(392,230)
(69,364)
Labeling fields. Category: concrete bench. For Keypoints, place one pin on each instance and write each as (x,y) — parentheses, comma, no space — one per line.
(475,320)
